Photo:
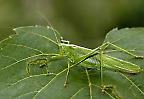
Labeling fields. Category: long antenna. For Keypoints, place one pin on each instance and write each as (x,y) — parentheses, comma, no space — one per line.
(49,24)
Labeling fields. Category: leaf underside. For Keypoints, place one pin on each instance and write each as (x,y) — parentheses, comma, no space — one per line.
(20,79)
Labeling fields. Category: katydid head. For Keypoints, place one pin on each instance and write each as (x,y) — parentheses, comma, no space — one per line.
(68,50)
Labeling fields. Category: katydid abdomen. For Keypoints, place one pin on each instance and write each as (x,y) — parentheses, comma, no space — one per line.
(119,65)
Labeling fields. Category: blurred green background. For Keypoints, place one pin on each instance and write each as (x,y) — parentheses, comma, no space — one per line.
(83,22)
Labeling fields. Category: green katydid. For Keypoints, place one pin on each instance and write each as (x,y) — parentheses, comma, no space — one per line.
(97,59)
(76,53)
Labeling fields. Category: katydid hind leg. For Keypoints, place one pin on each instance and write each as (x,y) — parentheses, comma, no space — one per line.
(124,50)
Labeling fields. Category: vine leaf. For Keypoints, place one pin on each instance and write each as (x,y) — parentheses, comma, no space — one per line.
(22,78)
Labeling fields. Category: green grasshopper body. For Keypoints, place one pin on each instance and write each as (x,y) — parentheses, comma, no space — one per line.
(74,53)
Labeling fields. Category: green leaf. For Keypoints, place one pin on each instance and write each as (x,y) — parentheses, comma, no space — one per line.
(21,77)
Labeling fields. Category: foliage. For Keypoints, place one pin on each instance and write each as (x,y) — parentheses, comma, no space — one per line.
(29,69)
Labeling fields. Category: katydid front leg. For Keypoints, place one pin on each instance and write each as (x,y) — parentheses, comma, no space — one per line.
(68,71)
(101,65)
